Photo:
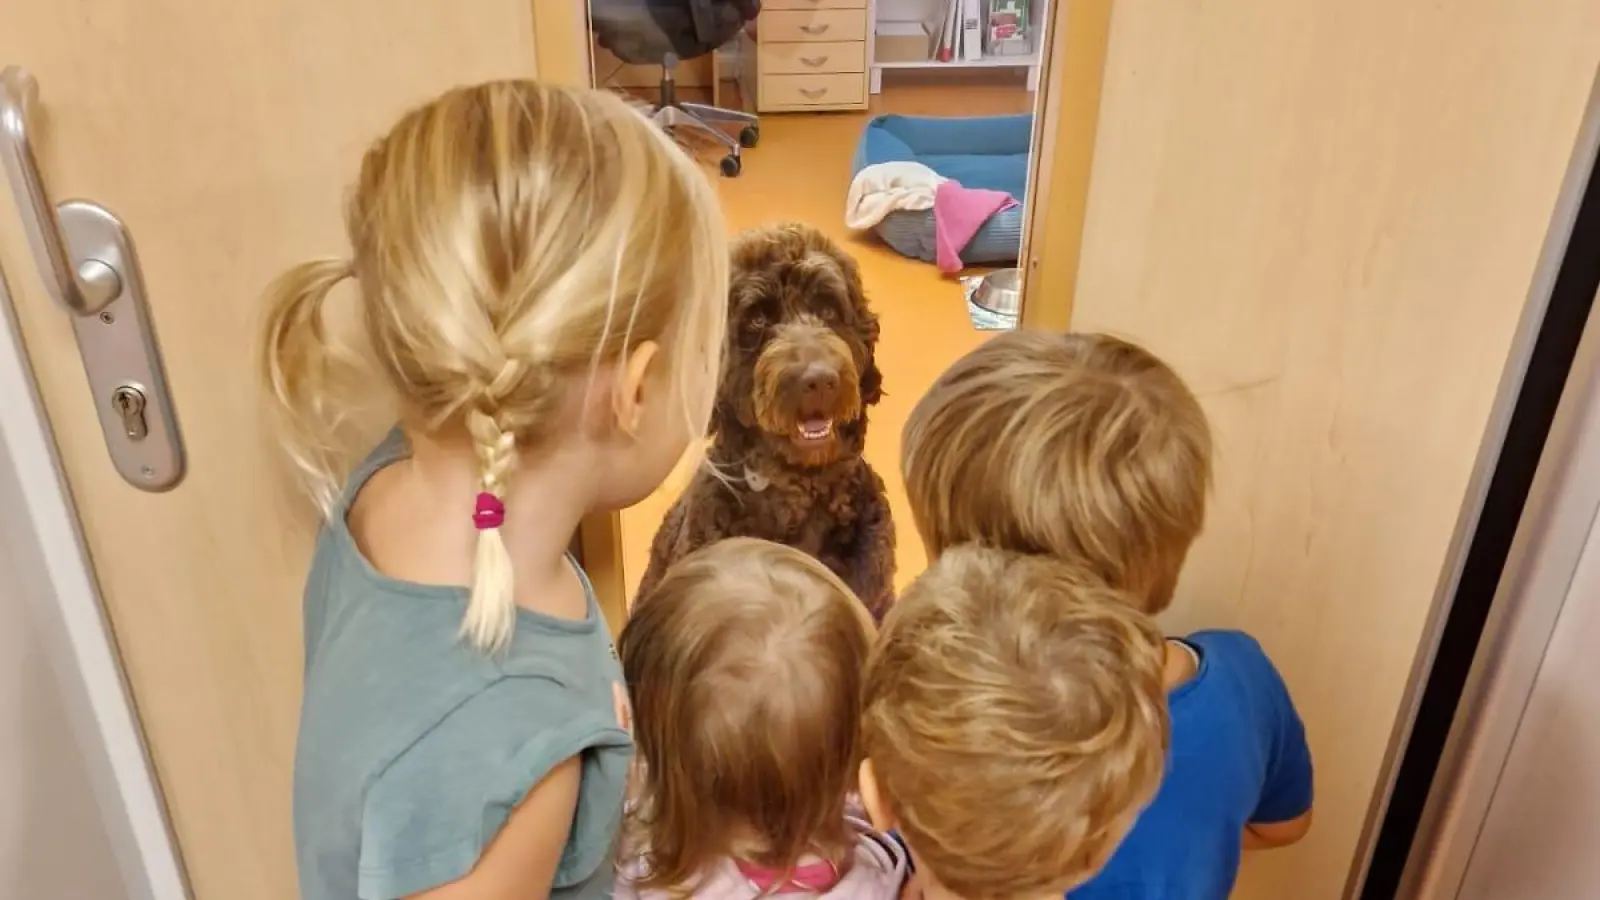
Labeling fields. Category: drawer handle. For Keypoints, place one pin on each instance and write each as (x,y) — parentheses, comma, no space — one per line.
(813,93)
(815,29)
(813,61)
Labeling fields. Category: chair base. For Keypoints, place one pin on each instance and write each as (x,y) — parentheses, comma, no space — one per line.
(703,119)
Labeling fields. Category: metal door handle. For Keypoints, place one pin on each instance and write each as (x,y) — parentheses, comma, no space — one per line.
(86,260)
(91,284)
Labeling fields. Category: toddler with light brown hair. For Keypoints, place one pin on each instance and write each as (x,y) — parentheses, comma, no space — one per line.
(744,666)
(1088,450)
(1014,724)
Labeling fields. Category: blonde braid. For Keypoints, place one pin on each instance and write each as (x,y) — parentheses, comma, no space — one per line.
(492,608)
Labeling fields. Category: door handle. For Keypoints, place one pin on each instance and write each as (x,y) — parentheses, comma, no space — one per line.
(91,284)
(87,263)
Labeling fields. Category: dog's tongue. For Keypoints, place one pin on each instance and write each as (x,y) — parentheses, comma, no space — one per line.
(817,424)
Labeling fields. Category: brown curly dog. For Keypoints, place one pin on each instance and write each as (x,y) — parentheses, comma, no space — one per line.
(791,419)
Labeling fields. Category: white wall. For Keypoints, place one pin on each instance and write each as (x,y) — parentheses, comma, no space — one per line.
(52,843)
(1538,840)
(903,10)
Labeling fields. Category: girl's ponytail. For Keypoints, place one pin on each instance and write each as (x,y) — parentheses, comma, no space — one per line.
(491,607)
(298,365)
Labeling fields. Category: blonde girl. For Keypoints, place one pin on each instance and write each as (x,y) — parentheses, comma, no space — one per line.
(540,292)
(745,666)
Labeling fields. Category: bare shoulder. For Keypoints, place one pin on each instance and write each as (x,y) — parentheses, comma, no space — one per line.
(395,540)
(373,504)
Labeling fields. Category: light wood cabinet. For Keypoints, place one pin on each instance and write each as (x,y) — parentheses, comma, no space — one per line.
(808,55)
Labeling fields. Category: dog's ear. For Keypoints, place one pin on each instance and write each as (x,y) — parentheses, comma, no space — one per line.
(733,382)
(725,418)
(720,415)
(725,409)
(871,377)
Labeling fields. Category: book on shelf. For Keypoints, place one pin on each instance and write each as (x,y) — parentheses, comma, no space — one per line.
(950,44)
(972,26)
(969,30)
(933,24)
(1006,29)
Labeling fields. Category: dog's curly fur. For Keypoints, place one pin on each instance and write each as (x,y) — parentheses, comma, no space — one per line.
(801,351)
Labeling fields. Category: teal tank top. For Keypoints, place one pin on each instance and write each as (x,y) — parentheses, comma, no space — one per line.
(413,747)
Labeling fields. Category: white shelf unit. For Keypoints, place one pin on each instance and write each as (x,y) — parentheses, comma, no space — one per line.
(905,12)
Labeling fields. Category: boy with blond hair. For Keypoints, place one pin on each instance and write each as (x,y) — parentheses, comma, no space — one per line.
(1088,450)
(1013,725)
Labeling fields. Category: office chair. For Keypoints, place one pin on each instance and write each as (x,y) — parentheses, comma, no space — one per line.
(663,32)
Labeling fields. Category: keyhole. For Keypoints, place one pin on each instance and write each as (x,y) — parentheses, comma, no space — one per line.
(129,404)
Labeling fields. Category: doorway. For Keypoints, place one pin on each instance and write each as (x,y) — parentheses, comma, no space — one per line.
(1319,214)
(826,86)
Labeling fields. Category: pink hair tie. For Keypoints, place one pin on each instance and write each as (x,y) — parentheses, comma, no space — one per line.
(490,514)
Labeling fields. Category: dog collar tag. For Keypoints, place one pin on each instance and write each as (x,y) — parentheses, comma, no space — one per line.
(755,480)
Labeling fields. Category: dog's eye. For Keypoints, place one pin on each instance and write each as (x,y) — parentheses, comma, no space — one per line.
(828,313)
(756,323)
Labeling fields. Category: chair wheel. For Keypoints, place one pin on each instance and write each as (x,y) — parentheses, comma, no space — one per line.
(749,136)
(731,166)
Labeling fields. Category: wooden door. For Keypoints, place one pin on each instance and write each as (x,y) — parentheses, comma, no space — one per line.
(1328,216)
(223,134)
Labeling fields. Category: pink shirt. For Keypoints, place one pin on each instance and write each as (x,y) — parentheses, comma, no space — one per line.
(879,869)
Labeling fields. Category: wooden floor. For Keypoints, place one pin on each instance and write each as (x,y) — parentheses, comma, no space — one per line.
(801,171)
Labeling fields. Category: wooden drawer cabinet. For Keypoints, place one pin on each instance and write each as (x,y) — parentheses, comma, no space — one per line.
(800,92)
(808,56)
(771,5)
(784,26)
(821,58)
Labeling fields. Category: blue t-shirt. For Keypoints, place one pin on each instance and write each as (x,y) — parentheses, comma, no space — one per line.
(1239,755)
(414,748)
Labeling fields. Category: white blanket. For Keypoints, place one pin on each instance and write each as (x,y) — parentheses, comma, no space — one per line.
(881,189)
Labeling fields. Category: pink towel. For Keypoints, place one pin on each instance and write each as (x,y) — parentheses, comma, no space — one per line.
(958,213)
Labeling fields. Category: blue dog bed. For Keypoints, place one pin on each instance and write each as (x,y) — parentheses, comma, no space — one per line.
(990,152)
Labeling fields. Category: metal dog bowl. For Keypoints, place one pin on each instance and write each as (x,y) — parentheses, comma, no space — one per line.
(1000,292)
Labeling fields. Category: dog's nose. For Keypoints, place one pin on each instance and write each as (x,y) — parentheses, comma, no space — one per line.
(819,383)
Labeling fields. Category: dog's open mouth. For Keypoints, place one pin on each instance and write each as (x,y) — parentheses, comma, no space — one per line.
(813,432)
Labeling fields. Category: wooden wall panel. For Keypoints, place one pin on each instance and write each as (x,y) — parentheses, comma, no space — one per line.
(1327,216)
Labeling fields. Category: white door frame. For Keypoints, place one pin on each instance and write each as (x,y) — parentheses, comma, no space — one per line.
(39,527)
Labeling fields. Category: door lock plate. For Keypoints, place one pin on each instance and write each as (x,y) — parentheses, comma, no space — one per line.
(121,356)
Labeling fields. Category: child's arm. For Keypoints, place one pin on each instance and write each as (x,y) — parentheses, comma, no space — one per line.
(520,863)
(1267,835)
(1283,813)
